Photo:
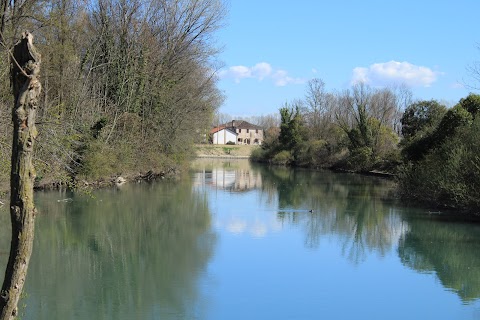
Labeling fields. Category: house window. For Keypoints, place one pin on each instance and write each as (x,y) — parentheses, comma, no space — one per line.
(256,130)
(239,130)
(248,130)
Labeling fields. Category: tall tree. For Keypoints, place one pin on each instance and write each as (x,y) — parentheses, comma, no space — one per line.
(144,69)
(421,116)
(319,110)
(368,117)
(355,110)
(290,127)
(26,90)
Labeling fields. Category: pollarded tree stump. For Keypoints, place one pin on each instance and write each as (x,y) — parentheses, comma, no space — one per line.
(26,90)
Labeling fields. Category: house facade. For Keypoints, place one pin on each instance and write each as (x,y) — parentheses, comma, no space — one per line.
(245,133)
(223,135)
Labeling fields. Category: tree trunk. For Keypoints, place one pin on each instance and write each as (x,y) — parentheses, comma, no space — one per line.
(26,90)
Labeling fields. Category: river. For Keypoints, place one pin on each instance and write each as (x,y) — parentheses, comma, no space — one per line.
(234,240)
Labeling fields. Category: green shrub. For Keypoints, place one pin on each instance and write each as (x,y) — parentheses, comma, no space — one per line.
(450,174)
(390,162)
(360,159)
(258,155)
(312,153)
(471,104)
(421,116)
(282,158)
(418,146)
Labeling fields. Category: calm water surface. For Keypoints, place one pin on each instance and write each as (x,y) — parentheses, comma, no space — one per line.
(237,241)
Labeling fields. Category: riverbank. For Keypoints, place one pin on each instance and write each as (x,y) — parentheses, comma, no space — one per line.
(201,151)
(137,177)
(224,151)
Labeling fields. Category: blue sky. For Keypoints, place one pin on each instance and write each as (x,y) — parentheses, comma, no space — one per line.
(271,48)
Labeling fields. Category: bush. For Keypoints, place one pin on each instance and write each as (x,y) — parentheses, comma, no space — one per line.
(313,153)
(102,161)
(282,158)
(471,103)
(360,159)
(258,155)
(450,174)
(418,146)
(421,116)
(390,162)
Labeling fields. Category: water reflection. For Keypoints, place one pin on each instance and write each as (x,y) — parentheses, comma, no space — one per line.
(239,232)
(231,175)
(450,250)
(242,181)
(130,253)
(356,209)
(363,215)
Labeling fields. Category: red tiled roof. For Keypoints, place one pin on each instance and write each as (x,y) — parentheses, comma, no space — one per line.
(216,129)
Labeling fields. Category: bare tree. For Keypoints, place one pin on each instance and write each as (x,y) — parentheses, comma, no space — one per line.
(315,105)
(221,118)
(26,91)
(353,110)
(474,72)
(267,121)
(319,109)
(403,98)
(369,116)
(146,70)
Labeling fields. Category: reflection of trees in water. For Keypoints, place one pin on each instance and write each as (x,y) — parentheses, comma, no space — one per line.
(358,211)
(353,207)
(450,250)
(132,253)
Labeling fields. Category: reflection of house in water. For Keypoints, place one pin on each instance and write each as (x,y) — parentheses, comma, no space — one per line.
(237,132)
(233,179)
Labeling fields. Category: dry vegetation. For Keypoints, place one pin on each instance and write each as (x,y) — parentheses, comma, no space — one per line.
(124,83)
(235,151)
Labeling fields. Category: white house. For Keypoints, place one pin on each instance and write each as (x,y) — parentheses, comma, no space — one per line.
(223,135)
(238,132)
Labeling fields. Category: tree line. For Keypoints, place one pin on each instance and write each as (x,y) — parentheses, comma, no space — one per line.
(431,149)
(126,83)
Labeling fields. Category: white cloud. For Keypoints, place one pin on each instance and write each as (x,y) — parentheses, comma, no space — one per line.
(239,72)
(394,72)
(261,71)
(281,79)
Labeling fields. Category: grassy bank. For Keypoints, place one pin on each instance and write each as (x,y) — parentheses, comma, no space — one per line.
(224,151)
